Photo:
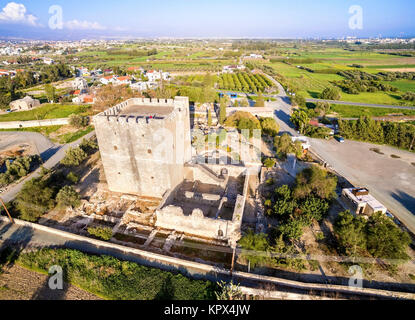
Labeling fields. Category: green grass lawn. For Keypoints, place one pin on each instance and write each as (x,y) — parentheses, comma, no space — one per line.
(45,111)
(71,137)
(357,111)
(43,130)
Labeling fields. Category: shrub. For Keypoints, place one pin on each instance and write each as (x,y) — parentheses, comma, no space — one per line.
(78,121)
(293,230)
(104,233)
(115,279)
(269,163)
(89,146)
(68,197)
(72,177)
(315,180)
(257,243)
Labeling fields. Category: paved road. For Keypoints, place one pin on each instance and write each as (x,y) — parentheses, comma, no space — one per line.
(59,154)
(390,180)
(42,144)
(369,105)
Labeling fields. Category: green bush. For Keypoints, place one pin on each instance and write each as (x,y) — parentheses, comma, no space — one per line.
(269,126)
(115,279)
(78,121)
(74,157)
(68,197)
(102,233)
(72,177)
(269,163)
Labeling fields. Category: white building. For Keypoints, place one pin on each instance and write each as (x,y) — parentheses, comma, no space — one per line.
(80,84)
(361,202)
(122,80)
(48,61)
(153,75)
(304,142)
(107,80)
(255,56)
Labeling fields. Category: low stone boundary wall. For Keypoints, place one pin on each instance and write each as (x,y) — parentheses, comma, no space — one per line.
(205,271)
(34,123)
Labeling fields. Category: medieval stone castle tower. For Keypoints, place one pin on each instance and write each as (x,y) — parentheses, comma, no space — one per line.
(144,145)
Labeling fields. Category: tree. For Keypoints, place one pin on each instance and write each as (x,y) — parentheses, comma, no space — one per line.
(34,200)
(50,92)
(313,209)
(385,240)
(209,117)
(110,95)
(300,119)
(260,103)
(68,197)
(293,230)
(284,203)
(322,108)
(72,177)
(74,157)
(350,231)
(78,121)
(331,93)
(269,126)
(222,111)
(298,100)
(244,103)
(315,180)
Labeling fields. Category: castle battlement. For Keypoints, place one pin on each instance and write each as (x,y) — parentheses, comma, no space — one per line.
(144,110)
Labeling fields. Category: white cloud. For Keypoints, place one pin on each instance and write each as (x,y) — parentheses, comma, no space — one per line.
(17,13)
(83,25)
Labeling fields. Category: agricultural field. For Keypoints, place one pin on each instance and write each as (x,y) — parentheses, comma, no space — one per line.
(170,59)
(244,82)
(311,71)
(346,111)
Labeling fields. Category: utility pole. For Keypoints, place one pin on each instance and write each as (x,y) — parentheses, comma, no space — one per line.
(412,143)
(233,260)
(7,211)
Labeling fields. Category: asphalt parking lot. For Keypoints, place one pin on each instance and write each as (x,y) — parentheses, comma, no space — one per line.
(390,180)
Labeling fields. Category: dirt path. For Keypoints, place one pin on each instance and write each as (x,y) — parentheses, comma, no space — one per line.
(17,283)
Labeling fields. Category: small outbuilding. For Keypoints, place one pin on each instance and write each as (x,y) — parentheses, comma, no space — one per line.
(24,104)
(361,202)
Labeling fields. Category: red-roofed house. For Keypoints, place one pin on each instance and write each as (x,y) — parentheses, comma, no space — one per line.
(123,80)
(107,79)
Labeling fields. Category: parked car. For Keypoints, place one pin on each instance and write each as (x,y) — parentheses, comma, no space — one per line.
(340,139)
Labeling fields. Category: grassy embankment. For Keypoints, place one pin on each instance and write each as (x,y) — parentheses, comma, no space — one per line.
(114,279)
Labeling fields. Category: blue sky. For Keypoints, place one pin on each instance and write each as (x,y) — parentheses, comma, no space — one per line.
(206,18)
